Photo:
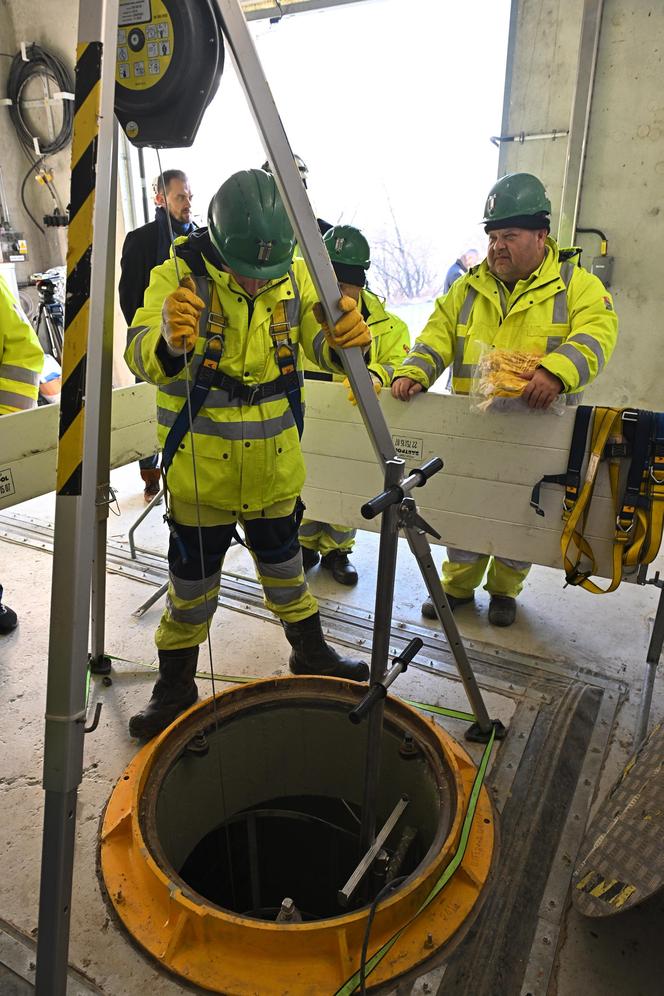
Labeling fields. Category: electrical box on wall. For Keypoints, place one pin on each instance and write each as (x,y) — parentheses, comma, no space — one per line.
(13,247)
(602,267)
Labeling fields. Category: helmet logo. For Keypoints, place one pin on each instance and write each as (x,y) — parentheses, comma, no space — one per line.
(339,243)
(264,251)
(491,203)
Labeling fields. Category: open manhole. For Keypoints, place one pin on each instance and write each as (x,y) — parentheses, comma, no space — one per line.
(226,866)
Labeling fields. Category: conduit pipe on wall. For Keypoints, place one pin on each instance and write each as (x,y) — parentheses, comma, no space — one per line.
(579,120)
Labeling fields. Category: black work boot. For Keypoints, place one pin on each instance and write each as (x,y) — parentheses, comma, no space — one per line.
(174,692)
(8,619)
(502,610)
(342,570)
(309,558)
(312,655)
(429,612)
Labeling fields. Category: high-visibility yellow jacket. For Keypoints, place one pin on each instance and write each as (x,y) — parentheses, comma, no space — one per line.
(248,456)
(390,338)
(561,312)
(21,356)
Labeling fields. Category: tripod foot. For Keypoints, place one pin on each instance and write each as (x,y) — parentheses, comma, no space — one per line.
(476,735)
(99,665)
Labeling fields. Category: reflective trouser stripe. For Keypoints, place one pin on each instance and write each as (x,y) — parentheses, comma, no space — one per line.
(192,602)
(325,537)
(185,620)
(463,573)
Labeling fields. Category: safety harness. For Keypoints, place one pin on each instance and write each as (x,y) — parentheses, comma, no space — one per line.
(208,374)
(615,433)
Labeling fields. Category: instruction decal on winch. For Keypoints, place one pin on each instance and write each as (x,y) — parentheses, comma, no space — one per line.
(408,446)
(6,483)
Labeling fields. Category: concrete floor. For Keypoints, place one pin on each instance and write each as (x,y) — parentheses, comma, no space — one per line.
(621,955)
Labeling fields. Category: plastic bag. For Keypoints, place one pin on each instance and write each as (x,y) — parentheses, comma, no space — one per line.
(500,377)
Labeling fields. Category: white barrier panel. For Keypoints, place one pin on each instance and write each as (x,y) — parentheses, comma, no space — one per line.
(480,501)
(29,442)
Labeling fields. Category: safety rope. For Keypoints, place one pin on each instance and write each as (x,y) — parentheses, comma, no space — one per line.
(199,530)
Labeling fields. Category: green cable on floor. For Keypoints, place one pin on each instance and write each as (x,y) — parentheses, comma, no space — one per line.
(351,984)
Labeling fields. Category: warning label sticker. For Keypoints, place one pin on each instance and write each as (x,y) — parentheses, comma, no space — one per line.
(6,483)
(134,12)
(408,446)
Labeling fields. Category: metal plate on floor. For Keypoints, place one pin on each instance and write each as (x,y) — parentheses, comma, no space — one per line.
(622,857)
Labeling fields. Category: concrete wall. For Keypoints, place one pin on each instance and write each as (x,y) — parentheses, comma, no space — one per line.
(623,177)
(52,26)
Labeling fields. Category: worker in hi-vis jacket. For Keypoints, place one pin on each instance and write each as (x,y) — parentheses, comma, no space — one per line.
(331,542)
(527,295)
(21,362)
(244,316)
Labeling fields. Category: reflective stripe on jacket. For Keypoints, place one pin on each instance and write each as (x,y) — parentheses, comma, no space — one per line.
(390,338)
(561,312)
(247,454)
(21,356)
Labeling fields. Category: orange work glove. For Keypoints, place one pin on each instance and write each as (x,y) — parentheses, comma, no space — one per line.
(179,318)
(350,330)
(377,386)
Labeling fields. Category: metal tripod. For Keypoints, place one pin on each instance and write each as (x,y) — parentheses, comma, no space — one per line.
(83,455)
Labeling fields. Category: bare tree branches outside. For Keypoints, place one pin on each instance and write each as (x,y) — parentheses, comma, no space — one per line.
(401,269)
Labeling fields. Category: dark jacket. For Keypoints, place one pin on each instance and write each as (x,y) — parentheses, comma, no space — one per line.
(139,257)
(456,270)
(143,249)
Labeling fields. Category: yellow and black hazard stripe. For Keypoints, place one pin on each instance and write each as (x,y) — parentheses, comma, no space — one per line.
(609,890)
(85,148)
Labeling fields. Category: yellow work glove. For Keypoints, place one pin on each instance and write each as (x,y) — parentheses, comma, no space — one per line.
(350,330)
(179,318)
(377,386)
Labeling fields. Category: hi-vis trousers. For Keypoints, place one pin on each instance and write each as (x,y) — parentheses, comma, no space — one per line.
(463,572)
(326,536)
(192,595)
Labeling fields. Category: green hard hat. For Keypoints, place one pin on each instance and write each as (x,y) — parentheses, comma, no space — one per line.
(347,245)
(249,226)
(516,195)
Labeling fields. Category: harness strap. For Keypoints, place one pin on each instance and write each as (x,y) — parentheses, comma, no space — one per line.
(205,376)
(649,503)
(208,374)
(571,479)
(285,354)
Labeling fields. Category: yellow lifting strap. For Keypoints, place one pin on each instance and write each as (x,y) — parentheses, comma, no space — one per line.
(639,509)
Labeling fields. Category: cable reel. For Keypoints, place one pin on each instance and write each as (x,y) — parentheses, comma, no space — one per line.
(169,60)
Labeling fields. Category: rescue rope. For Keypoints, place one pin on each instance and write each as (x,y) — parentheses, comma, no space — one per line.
(199,530)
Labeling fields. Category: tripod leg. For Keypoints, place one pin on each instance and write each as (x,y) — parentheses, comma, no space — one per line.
(421,550)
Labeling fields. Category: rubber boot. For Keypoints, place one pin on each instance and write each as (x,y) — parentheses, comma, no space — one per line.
(502,610)
(174,692)
(312,655)
(342,570)
(152,478)
(309,558)
(429,612)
